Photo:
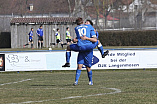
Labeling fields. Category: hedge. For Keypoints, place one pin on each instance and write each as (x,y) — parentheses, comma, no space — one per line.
(128,38)
(5,40)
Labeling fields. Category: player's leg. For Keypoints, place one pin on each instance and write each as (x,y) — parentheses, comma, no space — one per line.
(41,39)
(41,44)
(63,44)
(27,43)
(31,43)
(38,43)
(88,64)
(68,55)
(78,73)
(89,72)
(88,47)
(100,48)
(72,47)
(67,41)
(80,62)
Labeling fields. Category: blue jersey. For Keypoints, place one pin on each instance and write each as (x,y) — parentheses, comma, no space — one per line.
(30,34)
(86,30)
(84,45)
(39,32)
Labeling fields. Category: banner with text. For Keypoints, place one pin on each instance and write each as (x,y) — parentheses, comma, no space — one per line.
(116,59)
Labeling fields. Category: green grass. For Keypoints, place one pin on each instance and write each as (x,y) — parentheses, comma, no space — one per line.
(137,87)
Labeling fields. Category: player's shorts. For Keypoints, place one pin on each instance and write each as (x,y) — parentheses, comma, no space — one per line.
(76,48)
(68,40)
(58,40)
(85,58)
(30,40)
(40,38)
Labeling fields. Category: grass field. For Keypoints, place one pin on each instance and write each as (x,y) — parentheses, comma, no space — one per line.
(110,87)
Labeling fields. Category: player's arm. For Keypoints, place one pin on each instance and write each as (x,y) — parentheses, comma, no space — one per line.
(37,32)
(31,34)
(97,34)
(93,39)
(56,34)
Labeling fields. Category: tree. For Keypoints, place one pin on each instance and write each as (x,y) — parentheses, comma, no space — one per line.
(69,4)
(96,5)
(78,9)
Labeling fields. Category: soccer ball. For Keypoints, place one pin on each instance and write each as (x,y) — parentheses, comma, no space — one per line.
(54,29)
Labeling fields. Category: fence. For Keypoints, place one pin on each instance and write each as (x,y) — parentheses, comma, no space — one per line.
(20,29)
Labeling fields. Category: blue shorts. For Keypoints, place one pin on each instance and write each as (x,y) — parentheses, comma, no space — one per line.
(90,47)
(85,58)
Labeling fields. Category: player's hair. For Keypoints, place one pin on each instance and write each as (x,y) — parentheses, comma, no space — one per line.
(90,22)
(57,29)
(67,28)
(31,28)
(79,21)
(41,25)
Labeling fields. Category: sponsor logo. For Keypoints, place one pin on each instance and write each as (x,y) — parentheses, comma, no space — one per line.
(94,61)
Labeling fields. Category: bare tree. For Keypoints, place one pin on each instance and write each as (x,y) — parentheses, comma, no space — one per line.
(97,6)
(78,9)
(69,4)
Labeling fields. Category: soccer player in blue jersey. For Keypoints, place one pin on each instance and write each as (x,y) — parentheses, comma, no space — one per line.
(100,47)
(40,34)
(81,45)
(30,38)
(86,41)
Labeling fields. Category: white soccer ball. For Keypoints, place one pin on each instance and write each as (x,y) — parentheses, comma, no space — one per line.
(50,48)
(54,29)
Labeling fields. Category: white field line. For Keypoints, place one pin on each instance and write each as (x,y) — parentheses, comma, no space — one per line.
(115,90)
(15,82)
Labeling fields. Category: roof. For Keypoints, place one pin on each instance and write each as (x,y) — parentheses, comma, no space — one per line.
(110,2)
(52,20)
(126,2)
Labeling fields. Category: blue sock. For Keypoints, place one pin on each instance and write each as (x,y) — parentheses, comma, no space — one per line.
(78,73)
(90,75)
(68,55)
(101,50)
